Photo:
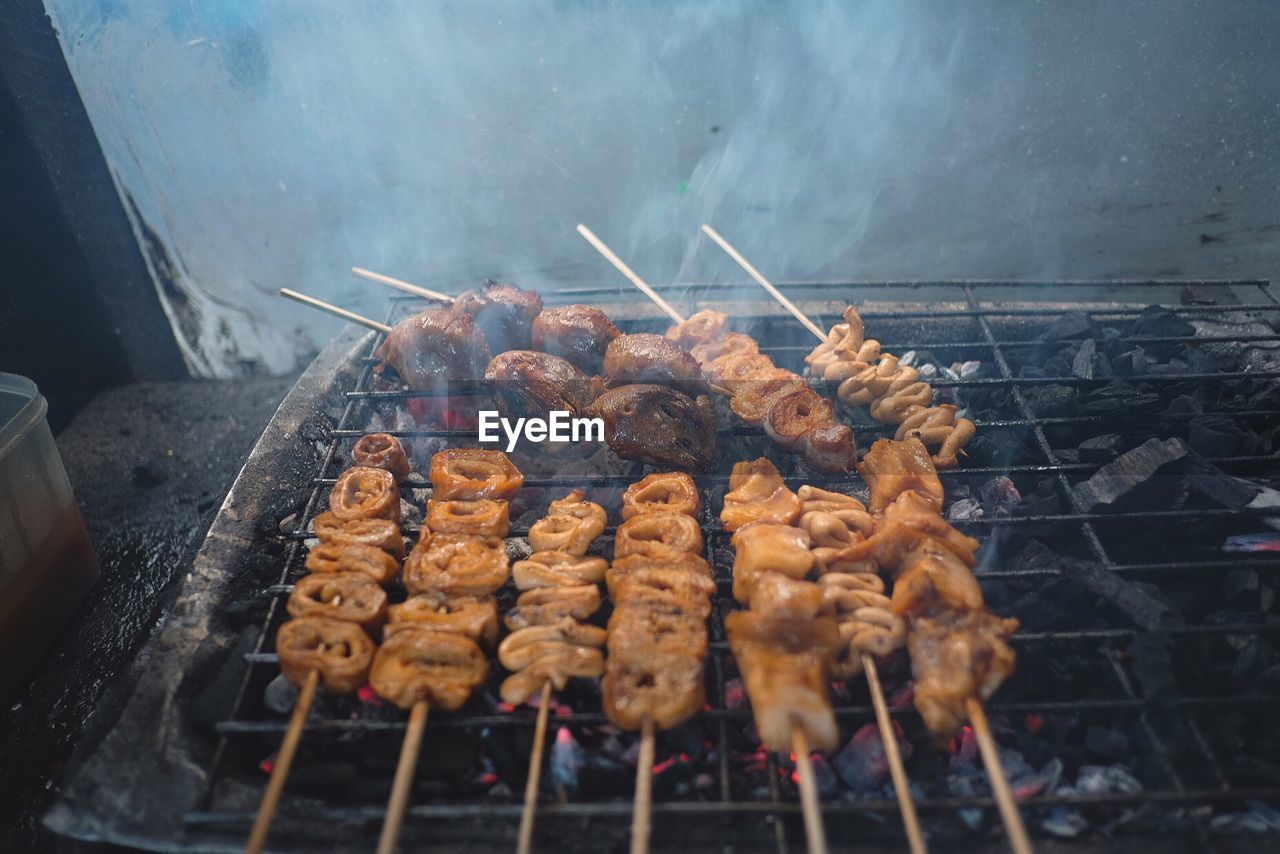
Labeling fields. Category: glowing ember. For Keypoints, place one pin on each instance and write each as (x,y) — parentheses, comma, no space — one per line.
(267,765)
(369,697)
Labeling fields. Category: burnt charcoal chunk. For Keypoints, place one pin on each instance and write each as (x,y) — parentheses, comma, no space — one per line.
(1123,476)
(1107,742)
(1218,436)
(1071,326)
(1089,363)
(1198,361)
(1157,322)
(1268,398)
(1100,449)
(1118,396)
(1052,401)
(1184,406)
(1218,486)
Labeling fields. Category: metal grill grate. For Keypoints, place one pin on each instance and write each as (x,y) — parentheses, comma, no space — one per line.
(1182,766)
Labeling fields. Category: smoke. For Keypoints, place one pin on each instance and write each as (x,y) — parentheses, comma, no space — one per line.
(279,144)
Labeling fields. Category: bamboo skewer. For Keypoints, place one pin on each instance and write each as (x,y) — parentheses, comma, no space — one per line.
(399,800)
(401,284)
(628,272)
(280,770)
(641,821)
(525,844)
(813,831)
(334,310)
(1018,839)
(910,821)
(764,283)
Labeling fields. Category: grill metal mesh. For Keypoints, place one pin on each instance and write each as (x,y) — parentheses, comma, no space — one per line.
(975,321)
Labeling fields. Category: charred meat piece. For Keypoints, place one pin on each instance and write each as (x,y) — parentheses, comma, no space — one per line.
(416,663)
(649,358)
(791,416)
(578,333)
(659,535)
(365,493)
(380,533)
(753,398)
(484,517)
(382,451)
(504,314)
(786,666)
(733,343)
(339,650)
(658,425)
(474,474)
(705,326)
(891,468)
(571,525)
(369,561)
(434,348)
(456,565)
(350,596)
(673,492)
(471,617)
(558,569)
(528,383)
(757,493)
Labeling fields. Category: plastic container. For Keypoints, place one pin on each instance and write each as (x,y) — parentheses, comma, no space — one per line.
(47,564)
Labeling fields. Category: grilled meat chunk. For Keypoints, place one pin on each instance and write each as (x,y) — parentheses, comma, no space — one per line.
(571,525)
(785,666)
(504,314)
(667,491)
(650,358)
(578,333)
(374,563)
(685,564)
(474,474)
(350,596)
(891,468)
(339,650)
(484,517)
(706,325)
(769,548)
(558,569)
(955,657)
(528,383)
(435,348)
(416,663)
(654,667)
(471,617)
(555,663)
(659,535)
(380,533)
(658,425)
(382,451)
(456,565)
(365,493)
(757,493)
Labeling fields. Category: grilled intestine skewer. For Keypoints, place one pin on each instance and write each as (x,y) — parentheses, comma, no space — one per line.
(431,654)
(657,636)
(327,643)
(550,642)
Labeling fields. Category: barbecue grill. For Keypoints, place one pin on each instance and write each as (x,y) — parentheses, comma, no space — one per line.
(1146,661)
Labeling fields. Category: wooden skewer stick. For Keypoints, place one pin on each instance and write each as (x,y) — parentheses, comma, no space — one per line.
(401,284)
(910,821)
(764,283)
(399,801)
(641,822)
(629,273)
(1018,839)
(525,844)
(808,793)
(280,770)
(334,310)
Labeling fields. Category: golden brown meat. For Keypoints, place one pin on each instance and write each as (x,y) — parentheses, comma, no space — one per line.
(938,427)
(531,384)
(328,558)
(518,649)
(786,667)
(906,523)
(382,451)
(416,663)
(503,313)
(380,533)
(456,565)
(685,564)
(705,326)
(365,493)
(483,517)
(732,343)
(572,523)
(658,534)
(753,399)
(578,333)
(846,509)
(867,624)
(647,358)
(955,657)
(474,474)
(737,369)
(339,650)
(557,665)
(891,468)
(658,425)
(757,493)
(830,447)
(539,606)
(674,492)
(468,616)
(558,569)
(772,547)
(435,348)
(654,668)
(350,596)
(691,591)
(792,415)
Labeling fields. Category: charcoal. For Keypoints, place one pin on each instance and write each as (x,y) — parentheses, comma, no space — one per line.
(1059,364)
(1157,322)
(1100,449)
(861,763)
(1268,681)
(1052,401)
(1141,603)
(1067,455)
(1107,742)
(1089,363)
(1153,665)
(999,497)
(998,447)
(1184,406)
(1198,361)
(1219,436)
(1267,398)
(1243,588)
(1133,362)
(1124,475)
(1216,485)
(1118,397)
(1074,325)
